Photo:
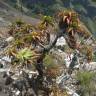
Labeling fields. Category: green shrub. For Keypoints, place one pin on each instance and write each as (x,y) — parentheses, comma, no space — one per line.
(94,57)
(87,84)
(49,62)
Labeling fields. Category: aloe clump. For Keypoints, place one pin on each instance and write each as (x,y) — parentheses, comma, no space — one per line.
(24,54)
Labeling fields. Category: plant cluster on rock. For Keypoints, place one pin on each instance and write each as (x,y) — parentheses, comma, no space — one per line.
(31,46)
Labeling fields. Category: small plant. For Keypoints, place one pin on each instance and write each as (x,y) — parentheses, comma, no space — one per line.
(46,22)
(87,50)
(19,22)
(86,82)
(23,57)
(52,68)
(24,54)
(94,57)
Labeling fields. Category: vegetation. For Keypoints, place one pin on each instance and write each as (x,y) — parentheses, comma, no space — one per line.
(31,49)
(94,0)
(86,83)
(94,57)
(31,45)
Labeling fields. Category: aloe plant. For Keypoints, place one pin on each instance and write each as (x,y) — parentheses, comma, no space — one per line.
(23,57)
(24,54)
(47,20)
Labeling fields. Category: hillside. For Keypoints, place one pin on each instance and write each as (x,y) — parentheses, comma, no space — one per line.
(10,10)
(56,57)
(85,8)
(8,14)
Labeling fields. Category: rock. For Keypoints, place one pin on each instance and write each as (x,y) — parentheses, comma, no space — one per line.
(3,43)
(9,39)
(0,88)
(6,58)
(1,65)
(62,78)
(89,66)
(9,80)
(17,93)
(71,92)
(61,41)
(5,67)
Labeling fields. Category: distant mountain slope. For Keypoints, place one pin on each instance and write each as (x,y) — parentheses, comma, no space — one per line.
(9,13)
(86,9)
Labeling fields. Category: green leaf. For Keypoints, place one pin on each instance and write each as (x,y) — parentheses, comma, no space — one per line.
(24,54)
